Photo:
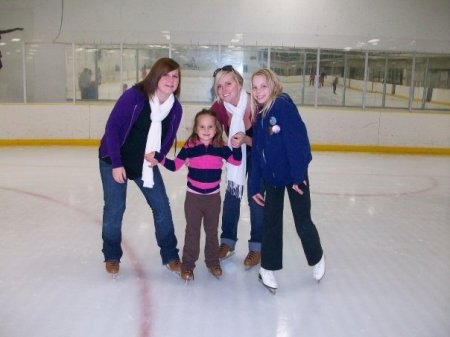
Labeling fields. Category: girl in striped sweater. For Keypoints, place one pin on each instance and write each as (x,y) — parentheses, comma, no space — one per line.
(204,152)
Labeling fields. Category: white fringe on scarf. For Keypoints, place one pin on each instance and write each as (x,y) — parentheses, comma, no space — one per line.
(236,174)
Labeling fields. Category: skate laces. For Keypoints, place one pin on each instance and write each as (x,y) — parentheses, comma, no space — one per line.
(252,255)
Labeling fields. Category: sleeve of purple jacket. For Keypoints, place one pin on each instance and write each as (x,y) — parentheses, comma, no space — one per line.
(118,124)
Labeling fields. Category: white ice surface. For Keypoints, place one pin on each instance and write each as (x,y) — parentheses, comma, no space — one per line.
(384,222)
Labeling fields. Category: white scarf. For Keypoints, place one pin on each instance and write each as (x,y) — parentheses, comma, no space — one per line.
(236,174)
(157,115)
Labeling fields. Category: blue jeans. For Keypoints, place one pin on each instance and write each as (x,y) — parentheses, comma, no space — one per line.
(114,195)
(230,218)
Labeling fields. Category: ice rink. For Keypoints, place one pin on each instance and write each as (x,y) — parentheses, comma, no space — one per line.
(384,222)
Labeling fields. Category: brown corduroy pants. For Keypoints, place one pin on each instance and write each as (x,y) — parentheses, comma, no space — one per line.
(198,207)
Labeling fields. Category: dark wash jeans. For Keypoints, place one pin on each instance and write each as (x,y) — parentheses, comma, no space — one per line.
(272,240)
(230,218)
(114,195)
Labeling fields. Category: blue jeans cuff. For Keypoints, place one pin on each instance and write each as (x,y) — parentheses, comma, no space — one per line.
(254,246)
(228,242)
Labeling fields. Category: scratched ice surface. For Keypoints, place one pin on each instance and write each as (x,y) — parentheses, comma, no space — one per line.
(384,222)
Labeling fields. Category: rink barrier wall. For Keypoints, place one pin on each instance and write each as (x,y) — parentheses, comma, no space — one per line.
(314,147)
(329,128)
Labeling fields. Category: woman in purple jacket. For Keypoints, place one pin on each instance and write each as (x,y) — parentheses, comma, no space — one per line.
(144,119)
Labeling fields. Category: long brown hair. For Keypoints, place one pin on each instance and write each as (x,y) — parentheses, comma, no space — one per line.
(217,140)
(161,67)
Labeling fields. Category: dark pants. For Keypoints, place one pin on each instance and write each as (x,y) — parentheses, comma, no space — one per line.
(272,240)
(115,195)
(231,213)
(198,207)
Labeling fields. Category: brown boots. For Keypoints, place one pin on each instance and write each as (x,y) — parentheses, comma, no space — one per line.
(216,271)
(187,274)
(112,266)
(174,266)
(225,251)
(253,258)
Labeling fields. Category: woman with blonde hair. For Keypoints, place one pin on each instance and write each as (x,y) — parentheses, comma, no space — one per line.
(280,158)
(232,107)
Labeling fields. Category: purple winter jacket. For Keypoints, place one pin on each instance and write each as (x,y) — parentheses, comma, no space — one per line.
(121,120)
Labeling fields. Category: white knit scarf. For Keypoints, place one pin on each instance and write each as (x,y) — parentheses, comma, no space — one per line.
(157,115)
(236,174)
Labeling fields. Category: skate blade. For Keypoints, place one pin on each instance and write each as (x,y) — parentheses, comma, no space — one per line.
(173,273)
(247,268)
(230,254)
(187,280)
(215,276)
(273,291)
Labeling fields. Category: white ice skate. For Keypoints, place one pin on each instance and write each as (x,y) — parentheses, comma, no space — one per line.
(267,278)
(319,269)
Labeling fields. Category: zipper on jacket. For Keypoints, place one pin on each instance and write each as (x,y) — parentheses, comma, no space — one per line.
(130,126)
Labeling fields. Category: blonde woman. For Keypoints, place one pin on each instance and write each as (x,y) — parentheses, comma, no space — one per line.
(232,107)
(280,157)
